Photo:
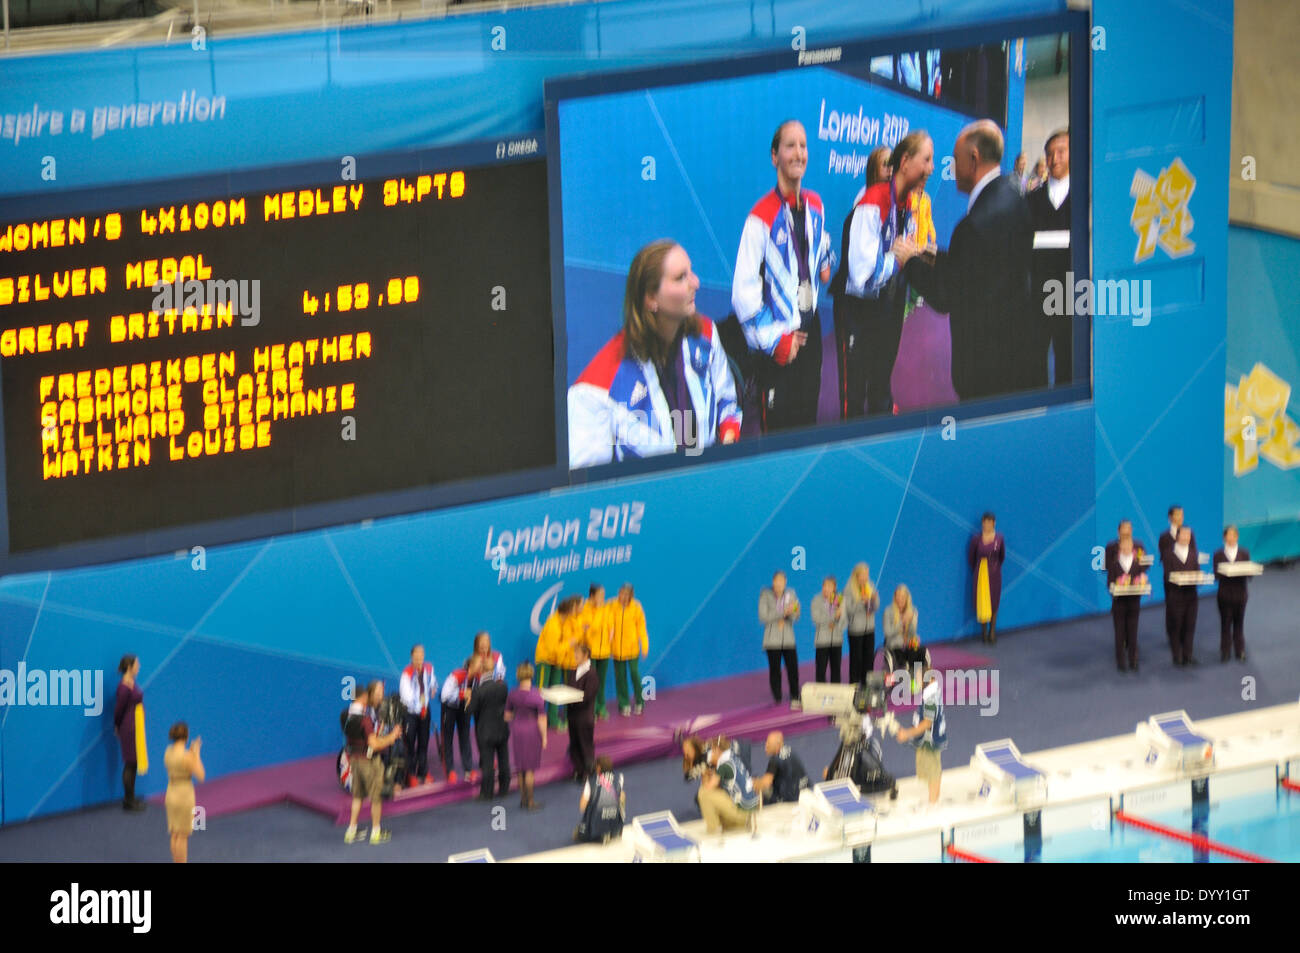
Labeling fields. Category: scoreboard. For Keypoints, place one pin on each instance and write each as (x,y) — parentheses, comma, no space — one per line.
(190,353)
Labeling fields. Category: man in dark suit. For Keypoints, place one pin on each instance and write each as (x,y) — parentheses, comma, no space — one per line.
(1232,598)
(487,703)
(1049,209)
(1167,540)
(1182,599)
(983,280)
(582,715)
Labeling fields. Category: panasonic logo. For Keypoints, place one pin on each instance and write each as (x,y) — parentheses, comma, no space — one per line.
(817,57)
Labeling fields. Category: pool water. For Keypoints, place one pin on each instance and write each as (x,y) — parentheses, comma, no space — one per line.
(1266,824)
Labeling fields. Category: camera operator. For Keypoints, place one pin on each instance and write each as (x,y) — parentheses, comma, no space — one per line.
(388,715)
(364,746)
(858,757)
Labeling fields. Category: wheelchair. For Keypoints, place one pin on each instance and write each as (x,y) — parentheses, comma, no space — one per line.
(913,658)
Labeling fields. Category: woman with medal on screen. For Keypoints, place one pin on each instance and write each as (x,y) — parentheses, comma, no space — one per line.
(876,297)
(661,384)
(785,258)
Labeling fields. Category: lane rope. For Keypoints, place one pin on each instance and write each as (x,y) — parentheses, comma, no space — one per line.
(1196,840)
(958,854)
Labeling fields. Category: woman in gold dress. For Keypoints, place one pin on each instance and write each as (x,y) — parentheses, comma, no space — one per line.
(183,766)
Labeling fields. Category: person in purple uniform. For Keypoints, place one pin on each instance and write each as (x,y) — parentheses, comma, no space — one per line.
(985,554)
(526,713)
(129,696)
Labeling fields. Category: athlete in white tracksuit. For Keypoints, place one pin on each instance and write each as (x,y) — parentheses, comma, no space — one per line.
(664,381)
(785,258)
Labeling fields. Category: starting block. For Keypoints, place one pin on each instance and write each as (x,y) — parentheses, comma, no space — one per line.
(838,808)
(656,838)
(482,856)
(1171,743)
(1007,776)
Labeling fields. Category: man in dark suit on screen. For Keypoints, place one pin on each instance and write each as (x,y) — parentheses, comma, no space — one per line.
(1049,210)
(983,280)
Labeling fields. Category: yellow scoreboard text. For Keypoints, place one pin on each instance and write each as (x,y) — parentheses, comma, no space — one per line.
(107,418)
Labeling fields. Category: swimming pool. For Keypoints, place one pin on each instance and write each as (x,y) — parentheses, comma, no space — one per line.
(1265,823)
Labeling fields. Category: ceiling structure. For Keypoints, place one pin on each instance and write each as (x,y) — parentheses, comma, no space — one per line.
(174,21)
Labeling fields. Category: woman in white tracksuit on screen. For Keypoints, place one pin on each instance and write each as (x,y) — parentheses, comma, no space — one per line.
(661,384)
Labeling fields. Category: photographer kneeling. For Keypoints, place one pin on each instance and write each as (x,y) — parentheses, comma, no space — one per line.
(728,800)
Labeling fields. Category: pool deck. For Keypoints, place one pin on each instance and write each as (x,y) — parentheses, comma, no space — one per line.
(1080,778)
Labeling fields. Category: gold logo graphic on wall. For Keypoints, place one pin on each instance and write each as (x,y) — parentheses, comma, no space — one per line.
(1160,213)
(1255,422)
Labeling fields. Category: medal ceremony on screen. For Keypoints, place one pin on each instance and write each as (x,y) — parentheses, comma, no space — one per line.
(428,426)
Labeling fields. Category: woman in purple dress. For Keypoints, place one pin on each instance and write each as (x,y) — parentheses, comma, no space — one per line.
(526,712)
(125,719)
(987,551)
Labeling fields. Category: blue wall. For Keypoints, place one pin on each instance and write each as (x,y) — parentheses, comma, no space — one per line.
(1158,387)
(252,650)
(1263,328)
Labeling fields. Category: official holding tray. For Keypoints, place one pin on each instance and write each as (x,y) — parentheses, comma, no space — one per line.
(1124,569)
(1166,543)
(1232,597)
(1180,597)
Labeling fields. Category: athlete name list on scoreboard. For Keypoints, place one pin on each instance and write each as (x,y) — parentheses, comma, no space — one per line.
(119,413)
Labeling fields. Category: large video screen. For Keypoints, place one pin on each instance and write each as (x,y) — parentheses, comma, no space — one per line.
(184,353)
(787,245)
